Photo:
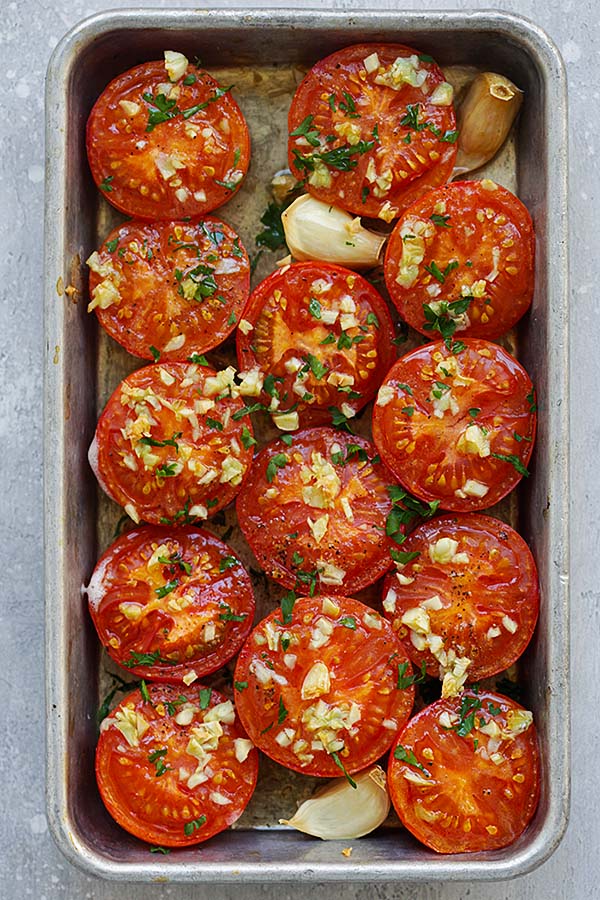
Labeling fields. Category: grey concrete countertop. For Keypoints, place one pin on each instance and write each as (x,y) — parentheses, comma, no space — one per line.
(30,865)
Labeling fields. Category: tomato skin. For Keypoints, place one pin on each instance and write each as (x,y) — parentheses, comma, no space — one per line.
(137,796)
(124,156)
(131,616)
(486,226)
(284,333)
(498,579)
(274,515)
(362,663)
(435,461)
(150,264)
(180,497)
(467,792)
(416,159)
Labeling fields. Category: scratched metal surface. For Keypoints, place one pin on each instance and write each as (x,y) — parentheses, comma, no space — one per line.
(30,864)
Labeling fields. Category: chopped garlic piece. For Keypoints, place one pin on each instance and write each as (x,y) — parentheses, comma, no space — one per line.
(316,682)
(442,95)
(472,488)
(404,70)
(129,107)
(509,624)
(176,64)
(371,63)
(245,326)
(242,748)
(189,677)
(330,574)
(318,527)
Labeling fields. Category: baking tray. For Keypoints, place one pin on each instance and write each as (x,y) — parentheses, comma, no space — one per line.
(268,51)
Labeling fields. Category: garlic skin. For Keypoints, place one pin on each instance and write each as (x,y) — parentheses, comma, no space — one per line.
(316,230)
(340,812)
(485,117)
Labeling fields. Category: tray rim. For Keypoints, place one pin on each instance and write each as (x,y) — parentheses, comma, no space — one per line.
(452,868)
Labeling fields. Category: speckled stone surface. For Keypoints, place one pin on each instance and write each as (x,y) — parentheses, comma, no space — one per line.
(30,865)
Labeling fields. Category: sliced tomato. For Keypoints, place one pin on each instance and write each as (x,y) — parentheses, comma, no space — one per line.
(373,129)
(321,335)
(461,260)
(173,765)
(161,149)
(170,446)
(170,287)
(314,512)
(316,686)
(171,602)
(464,774)
(466,589)
(456,427)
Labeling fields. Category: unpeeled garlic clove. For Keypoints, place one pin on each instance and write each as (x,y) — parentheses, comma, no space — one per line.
(485,117)
(316,230)
(341,812)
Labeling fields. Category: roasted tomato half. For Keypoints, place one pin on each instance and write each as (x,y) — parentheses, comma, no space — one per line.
(173,765)
(173,288)
(460,260)
(372,128)
(320,337)
(316,686)
(314,512)
(169,447)
(456,427)
(171,603)
(464,774)
(465,598)
(165,140)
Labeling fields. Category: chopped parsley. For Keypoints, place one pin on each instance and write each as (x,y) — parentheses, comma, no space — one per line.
(167,588)
(247,439)
(405,680)
(318,369)
(410,759)
(282,713)
(111,246)
(227,614)
(514,461)
(339,420)
(169,470)
(240,685)
(205,695)
(531,399)
(314,308)
(437,273)
(199,359)
(278,461)
(175,559)
(402,557)
(348,622)
(160,109)
(304,130)
(444,320)
(155,353)
(190,827)
(440,221)
(287,606)
(155,756)
(341,766)
(228,562)
(405,509)
(169,442)
(105,184)
(146,659)
(474,411)
(220,92)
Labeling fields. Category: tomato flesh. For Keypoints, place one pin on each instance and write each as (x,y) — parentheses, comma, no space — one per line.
(372,142)
(456,427)
(167,446)
(170,602)
(322,335)
(175,288)
(180,163)
(465,789)
(314,513)
(460,260)
(316,688)
(177,769)
(477,581)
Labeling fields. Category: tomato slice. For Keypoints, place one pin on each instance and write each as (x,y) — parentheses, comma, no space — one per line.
(314,512)
(161,149)
(169,447)
(174,767)
(461,260)
(464,773)
(456,427)
(466,589)
(373,129)
(170,603)
(175,287)
(322,335)
(316,686)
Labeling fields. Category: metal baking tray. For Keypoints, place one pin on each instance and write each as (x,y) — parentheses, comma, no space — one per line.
(265,52)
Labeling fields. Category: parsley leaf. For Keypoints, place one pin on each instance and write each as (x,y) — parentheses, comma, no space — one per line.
(105,185)
(410,759)
(205,695)
(405,509)
(167,588)
(514,461)
(247,439)
(304,130)
(146,659)
(190,827)
(227,562)
(440,221)
(402,557)
(405,680)
(282,713)
(314,308)
(278,461)
(318,368)
(341,766)
(227,614)
(287,605)
(348,622)
(160,109)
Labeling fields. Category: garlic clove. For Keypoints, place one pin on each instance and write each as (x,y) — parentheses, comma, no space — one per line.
(282,185)
(485,117)
(316,230)
(340,812)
